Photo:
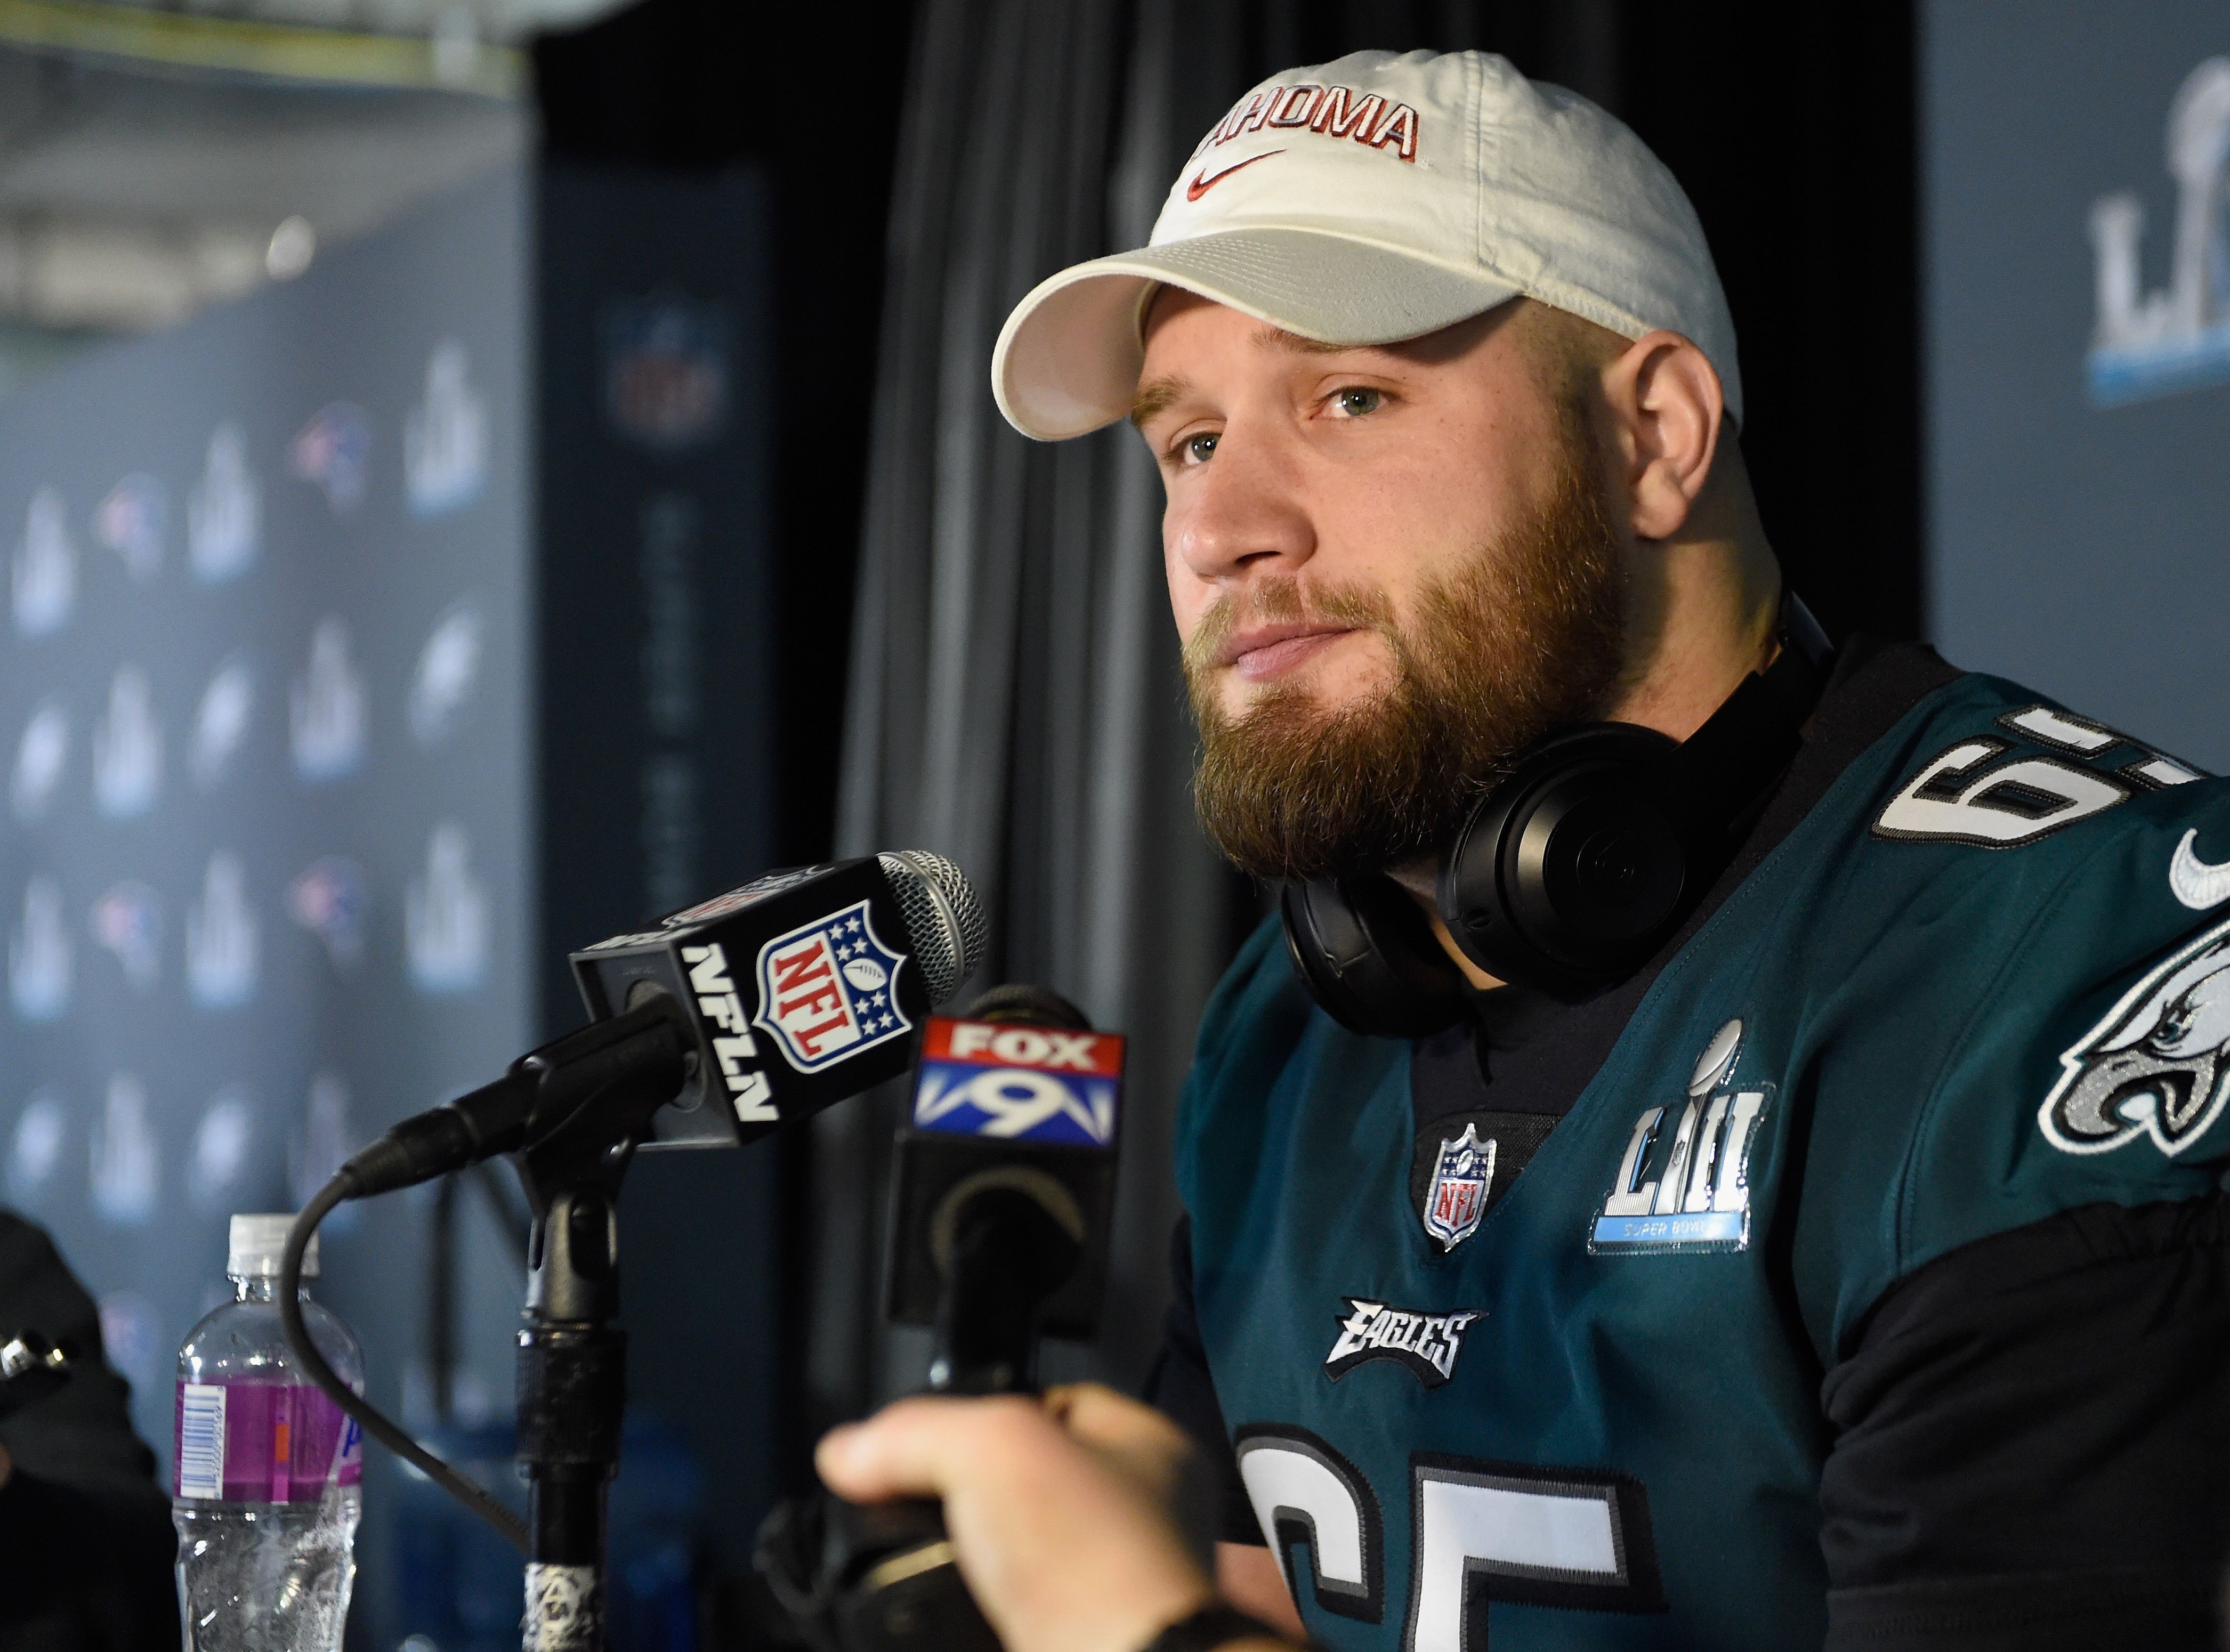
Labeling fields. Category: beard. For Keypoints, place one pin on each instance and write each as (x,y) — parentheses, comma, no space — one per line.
(1527,636)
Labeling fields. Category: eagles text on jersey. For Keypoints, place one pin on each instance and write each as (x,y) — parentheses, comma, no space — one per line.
(1979,980)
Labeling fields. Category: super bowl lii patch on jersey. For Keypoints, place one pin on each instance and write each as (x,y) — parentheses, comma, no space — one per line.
(1688,1189)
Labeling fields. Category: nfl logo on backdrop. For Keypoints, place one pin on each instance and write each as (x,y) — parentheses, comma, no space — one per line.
(666,371)
(1457,1198)
(825,990)
(335,451)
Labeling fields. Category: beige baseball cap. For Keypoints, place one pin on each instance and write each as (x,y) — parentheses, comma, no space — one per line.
(1374,198)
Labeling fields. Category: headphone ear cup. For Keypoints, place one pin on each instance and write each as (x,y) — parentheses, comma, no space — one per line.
(1370,959)
(1569,871)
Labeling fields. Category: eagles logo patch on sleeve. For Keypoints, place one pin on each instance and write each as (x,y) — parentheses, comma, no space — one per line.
(2157,1064)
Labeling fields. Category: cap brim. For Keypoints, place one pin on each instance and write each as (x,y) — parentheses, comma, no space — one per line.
(1067,360)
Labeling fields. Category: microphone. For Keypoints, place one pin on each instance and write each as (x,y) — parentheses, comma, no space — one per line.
(1004,1186)
(801,988)
(1002,1197)
(748,1011)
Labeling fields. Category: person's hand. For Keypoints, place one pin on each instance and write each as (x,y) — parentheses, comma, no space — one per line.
(1079,1521)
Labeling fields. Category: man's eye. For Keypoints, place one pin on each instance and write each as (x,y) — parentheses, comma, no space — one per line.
(1197,450)
(1356,400)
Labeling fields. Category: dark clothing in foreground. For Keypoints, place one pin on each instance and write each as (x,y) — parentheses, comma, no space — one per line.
(86,1547)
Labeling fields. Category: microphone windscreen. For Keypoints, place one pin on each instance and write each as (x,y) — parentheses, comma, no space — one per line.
(1016,1004)
(942,917)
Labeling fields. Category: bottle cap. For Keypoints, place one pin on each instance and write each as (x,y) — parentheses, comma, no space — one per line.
(257,1242)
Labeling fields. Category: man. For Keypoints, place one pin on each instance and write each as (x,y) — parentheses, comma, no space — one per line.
(1811,1227)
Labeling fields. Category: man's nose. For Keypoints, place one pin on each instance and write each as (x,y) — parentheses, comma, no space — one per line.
(1242,514)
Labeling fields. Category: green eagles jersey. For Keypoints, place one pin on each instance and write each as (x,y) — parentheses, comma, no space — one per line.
(1985,979)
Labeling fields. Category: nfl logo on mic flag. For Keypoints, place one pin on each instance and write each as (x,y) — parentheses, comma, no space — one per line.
(825,989)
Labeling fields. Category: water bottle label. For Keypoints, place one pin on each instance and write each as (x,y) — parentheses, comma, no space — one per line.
(263,1442)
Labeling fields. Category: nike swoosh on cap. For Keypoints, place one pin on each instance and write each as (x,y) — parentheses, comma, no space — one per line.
(1203,182)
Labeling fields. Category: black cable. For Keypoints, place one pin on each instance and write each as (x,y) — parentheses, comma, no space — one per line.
(440,1326)
(342,1187)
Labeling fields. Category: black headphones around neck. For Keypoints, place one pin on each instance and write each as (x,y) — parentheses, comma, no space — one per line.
(1573,869)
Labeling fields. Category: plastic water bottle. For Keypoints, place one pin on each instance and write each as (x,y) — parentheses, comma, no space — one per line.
(265,1494)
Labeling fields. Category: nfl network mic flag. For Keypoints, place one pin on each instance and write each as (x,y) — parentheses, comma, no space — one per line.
(801,986)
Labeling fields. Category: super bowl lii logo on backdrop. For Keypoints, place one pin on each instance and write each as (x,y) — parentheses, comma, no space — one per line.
(225,513)
(221,720)
(221,938)
(39,755)
(2175,338)
(45,567)
(326,711)
(39,959)
(102,752)
(445,916)
(127,747)
(445,438)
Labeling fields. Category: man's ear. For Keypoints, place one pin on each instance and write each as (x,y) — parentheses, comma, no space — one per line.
(1667,405)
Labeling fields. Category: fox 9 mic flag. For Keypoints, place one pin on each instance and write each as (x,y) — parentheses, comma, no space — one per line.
(1019,1083)
(1020,1105)
(803,987)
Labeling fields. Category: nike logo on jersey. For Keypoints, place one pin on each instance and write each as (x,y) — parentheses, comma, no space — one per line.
(2198,884)
(1204,180)
(1427,1343)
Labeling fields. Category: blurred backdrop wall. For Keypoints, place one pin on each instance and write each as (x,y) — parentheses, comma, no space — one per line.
(2078,356)
(629,700)
(1014,697)
(267,707)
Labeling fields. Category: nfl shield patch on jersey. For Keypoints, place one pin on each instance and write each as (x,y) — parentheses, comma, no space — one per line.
(1463,1166)
(1455,1199)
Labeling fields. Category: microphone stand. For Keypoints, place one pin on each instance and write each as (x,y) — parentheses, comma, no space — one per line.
(572,1353)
